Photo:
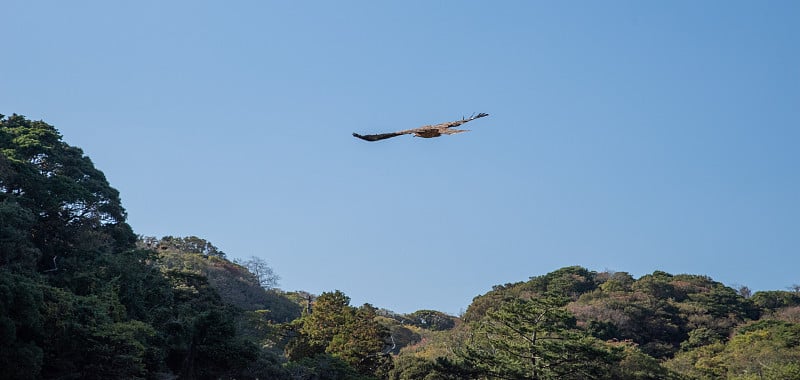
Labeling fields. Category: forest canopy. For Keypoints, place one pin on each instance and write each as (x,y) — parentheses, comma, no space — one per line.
(82,296)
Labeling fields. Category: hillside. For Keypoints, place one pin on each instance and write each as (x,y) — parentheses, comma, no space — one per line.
(82,296)
(659,326)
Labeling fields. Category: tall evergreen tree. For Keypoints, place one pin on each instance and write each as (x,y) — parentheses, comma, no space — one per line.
(335,328)
(536,339)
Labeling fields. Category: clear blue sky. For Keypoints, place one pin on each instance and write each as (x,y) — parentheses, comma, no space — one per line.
(625,135)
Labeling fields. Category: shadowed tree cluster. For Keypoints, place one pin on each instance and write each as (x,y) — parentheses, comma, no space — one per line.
(78,298)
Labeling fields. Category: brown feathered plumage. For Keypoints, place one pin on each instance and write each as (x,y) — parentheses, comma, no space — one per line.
(427,131)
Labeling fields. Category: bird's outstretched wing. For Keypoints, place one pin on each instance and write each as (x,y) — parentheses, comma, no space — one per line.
(377,137)
(425,131)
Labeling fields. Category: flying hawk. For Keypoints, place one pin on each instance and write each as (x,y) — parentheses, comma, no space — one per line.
(427,131)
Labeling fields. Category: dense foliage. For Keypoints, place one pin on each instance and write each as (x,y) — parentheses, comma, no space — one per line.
(81,296)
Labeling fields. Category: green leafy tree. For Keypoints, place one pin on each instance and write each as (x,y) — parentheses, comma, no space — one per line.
(364,343)
(190,244)
(69,213)
(323,367)
(59,221)
(430,319)
(617,282)
(536,339)
(17,251)
(331,316)
(202,340)
(79,300)
(345,332)
(411,367)
(21,326)
(775,299)
(636,365)
(568,282)
(764,350)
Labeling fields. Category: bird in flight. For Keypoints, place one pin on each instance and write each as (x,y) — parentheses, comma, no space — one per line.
(427,131)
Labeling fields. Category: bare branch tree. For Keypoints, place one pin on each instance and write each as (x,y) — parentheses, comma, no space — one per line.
(266,276)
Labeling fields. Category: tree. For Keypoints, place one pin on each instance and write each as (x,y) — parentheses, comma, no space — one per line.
(59,220)
(565,282)
(342,331)
(76,214)
(536,339)
(617,282)
(769,349)
(331,316)
(430,319)
(17,251)
(79,300)
(636,365)
(21,326)
(265,275)
(190,244)
(411,367)
(744,291)
(775,299)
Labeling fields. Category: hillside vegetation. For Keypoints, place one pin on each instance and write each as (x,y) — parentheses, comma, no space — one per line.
(83,297)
